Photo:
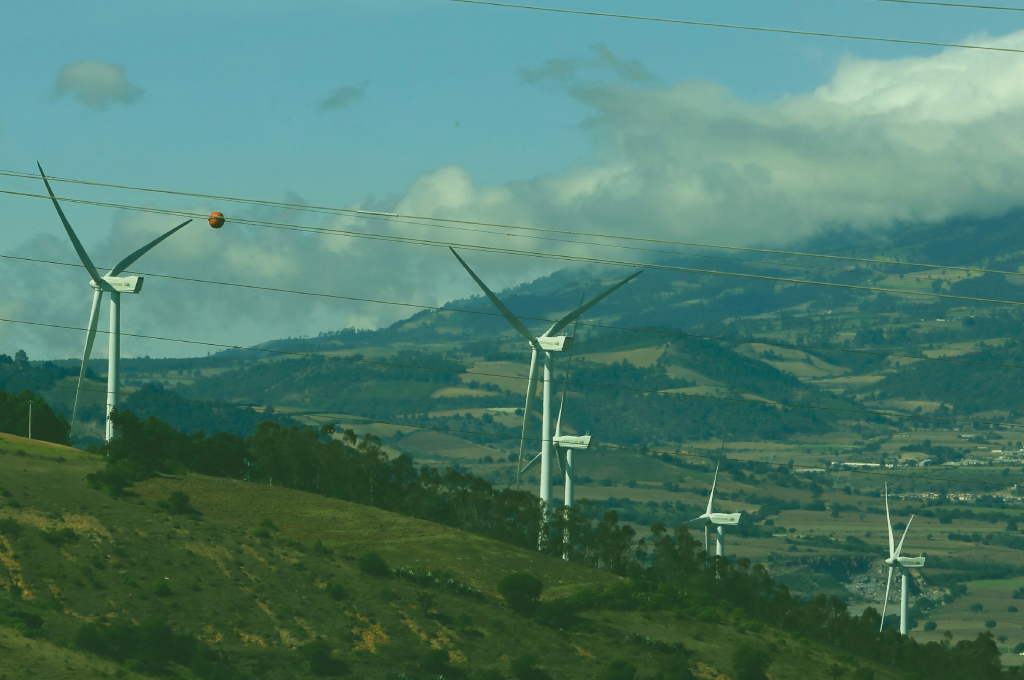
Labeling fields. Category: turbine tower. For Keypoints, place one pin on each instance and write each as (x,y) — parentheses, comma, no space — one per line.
(114,284)
(901,563)
(543,347)
(717,519)
(564,445)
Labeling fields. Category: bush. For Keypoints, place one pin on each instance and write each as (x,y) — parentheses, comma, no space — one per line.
(374,565)
(59,537)
(161,588)
(557,615)
(977,608)
(1012,609)
(436,663)
(990,624)
(261,533)
(750,662)
(336,591)
(620,669)
(525,668)
(863,673)
(931,625)
(179,504)
(521,593)
(318,655)
(149,647)
(10,526)
(1019,648)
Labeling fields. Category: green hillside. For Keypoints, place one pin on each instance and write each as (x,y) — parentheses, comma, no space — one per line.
(258,573)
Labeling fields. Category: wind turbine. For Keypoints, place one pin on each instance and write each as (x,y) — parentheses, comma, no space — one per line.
(901,563)
(543,347)
(717,519)
(563,444)
(114,284)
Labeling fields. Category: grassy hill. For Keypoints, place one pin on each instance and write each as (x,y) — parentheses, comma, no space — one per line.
(259,572)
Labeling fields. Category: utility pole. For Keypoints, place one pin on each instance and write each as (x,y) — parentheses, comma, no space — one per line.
(30,420)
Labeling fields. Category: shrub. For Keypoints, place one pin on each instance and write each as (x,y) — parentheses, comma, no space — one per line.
(374,565)
(10,526)
(436,663)
(1019,648)
(620,669)
(990,624)
(863,673)
(59,537)
(261,533)
(521,592)
(336,591)
(149,647)
(931,625)
(557,615)
(179,504)
(268,524)
(750,662)
(1012,609)
(161,588)
(525,668)
(977,608)
(318,655)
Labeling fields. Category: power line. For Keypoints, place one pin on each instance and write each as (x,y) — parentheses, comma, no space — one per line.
(635,390)
(528,253)
(739,27)
(646,451)
(750,340)
(429,222)
(958,5)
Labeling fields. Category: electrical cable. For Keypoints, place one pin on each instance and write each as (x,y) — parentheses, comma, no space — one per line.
(635,390)
(739,27)
(957,5)
(598,326)
(528,253)
(645,451)
(428,221)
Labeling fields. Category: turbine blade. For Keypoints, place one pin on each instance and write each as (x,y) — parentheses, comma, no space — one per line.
(888,523)
(886,601)
(900,546)
(565,383)
(127,262)
(558,457)
(531,387)
(512,318)
(82,255)
(525,468)
(711,498)
(90,338)
(576,313)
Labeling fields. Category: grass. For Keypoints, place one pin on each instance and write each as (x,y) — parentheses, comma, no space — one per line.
(259,589)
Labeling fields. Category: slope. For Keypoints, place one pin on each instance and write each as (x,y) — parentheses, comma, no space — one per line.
(259,572)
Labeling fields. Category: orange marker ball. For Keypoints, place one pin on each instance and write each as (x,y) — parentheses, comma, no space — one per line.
(216,220)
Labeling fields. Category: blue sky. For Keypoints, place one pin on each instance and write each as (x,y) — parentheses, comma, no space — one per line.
(464,111)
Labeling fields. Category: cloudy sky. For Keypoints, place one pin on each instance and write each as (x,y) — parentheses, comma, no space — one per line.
(441,109)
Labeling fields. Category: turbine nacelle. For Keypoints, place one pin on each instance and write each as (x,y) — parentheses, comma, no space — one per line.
(716,518)
(566,441)
(120,284)
(555,343)
(905,562)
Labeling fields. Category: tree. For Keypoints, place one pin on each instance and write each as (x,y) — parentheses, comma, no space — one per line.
(620,669)
(835,671)
(521,592)
(750,662)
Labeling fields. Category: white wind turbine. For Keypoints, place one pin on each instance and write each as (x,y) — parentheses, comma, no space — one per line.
(564,444)
(717,519)
(543,345)
(901,563)
(115,285)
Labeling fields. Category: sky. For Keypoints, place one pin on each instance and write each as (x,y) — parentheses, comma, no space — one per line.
(441,109)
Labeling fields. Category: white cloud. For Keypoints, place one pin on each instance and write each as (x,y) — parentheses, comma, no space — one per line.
(96,85)
(881,142)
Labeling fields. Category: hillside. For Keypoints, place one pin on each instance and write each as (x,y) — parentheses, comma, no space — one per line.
(258,572)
